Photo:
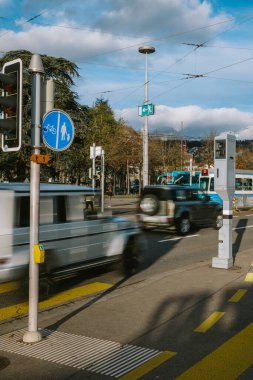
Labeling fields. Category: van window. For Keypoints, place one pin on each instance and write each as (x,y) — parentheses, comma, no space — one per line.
(74,208)
(46,210)
(180,195)
(22,206)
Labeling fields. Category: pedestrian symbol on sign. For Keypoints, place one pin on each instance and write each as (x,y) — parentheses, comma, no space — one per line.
(57,130)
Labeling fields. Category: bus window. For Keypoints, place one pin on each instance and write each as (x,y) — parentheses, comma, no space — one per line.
(247,184)
(212,184)
(238,184)
(204,183)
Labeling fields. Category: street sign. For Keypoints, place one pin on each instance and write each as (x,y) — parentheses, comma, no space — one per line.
(40,158)
(57,130)
(95,152)
(146,110)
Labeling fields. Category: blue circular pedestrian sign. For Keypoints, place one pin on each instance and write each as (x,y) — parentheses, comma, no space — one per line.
(57,130)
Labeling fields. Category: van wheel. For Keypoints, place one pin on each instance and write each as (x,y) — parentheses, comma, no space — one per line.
(183,225)
(218,221)
(133,256)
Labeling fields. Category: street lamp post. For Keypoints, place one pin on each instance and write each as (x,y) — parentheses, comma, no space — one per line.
(146,50)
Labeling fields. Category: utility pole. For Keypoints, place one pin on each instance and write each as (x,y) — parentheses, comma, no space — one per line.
(93,165)
(146,50)
(37,69)
(182,127)
(103,181)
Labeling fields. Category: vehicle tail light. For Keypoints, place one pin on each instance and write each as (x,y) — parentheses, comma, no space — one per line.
(204,172)
(170,206)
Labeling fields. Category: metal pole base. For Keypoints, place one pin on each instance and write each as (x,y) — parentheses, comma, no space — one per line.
(223,263)
(32,337)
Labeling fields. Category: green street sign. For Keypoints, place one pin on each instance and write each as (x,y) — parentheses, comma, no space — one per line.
(146,110)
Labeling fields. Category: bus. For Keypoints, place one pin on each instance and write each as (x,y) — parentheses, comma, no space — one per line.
(179,177)
(243,196)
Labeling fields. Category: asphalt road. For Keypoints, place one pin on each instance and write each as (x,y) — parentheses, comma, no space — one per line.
(164,251)
(162,307)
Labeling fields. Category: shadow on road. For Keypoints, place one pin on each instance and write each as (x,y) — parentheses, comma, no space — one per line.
(240,230)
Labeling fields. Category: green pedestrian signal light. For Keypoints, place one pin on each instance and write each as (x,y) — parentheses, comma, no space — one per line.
(98,164)
(11,105)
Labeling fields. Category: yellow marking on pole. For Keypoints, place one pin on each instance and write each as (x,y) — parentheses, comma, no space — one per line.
(210,321)
(238,295)
(228,361)
(148,366)
(249,277)
(67,295)
(9,286)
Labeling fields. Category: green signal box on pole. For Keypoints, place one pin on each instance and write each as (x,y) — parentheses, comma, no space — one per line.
(146,110)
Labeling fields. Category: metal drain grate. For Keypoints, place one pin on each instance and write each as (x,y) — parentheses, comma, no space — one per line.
(94,355)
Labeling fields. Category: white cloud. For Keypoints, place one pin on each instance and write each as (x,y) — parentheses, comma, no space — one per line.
(160,17)
(197,122)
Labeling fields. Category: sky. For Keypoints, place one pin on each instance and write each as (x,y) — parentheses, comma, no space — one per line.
(200,77)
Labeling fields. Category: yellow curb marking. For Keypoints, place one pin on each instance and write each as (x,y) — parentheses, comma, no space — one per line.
(249,277)
(210,321)
(228,361)
(67,295)
(238,295)
(148,366)
(9,286)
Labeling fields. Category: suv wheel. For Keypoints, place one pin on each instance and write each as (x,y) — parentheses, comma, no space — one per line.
(149,204)
(218,221)
(183,225)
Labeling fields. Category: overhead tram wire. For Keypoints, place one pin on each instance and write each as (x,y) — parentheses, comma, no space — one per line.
(35,16)
(151,40)
(231,79)
(203,44)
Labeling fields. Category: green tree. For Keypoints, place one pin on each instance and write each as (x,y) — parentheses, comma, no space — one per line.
(62,71)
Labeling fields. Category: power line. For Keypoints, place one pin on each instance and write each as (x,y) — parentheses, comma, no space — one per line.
(35,16)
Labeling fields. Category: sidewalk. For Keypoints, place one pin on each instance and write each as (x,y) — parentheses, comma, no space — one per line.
(153,319)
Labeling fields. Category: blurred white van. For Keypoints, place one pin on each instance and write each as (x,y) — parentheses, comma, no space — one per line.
(74,237)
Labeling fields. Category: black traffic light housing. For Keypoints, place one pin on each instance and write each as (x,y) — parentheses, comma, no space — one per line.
(11,105)
(98,164)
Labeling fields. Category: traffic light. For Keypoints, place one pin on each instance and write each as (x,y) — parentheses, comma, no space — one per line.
(11,105)
(98,164)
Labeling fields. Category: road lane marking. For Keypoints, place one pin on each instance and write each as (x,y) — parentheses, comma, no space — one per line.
(209,322)
(228,361)
(178,238)
(9,286)
(238,295)
(21,309)
(148,366)
(249,277)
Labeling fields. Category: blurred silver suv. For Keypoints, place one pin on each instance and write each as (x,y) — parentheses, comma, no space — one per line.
(181,207)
